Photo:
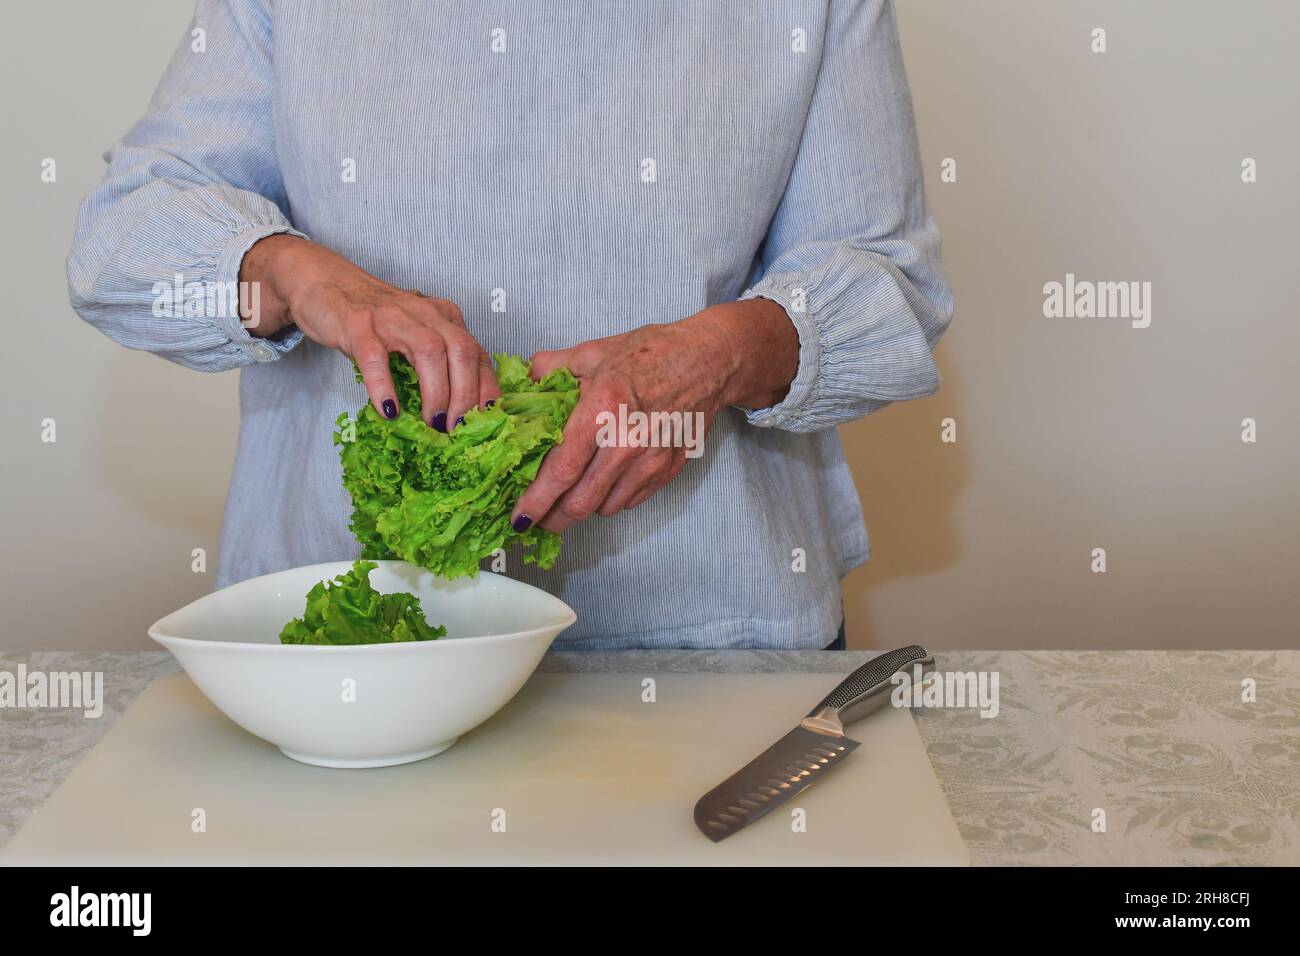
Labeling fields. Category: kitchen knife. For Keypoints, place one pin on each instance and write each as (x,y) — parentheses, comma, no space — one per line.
(807,753)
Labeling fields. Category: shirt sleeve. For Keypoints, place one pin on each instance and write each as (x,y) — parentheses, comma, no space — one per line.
(852,253)
(190,188)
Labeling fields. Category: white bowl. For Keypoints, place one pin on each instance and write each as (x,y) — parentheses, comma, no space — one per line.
(370,705)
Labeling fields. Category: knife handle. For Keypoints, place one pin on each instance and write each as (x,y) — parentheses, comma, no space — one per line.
(867,689)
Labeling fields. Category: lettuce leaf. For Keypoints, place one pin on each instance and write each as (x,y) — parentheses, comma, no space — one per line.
(353,612)
(443,501)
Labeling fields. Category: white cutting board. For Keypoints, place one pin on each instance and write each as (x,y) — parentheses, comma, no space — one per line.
(584,770)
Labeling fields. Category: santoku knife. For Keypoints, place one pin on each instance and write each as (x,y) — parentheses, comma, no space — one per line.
(807,753)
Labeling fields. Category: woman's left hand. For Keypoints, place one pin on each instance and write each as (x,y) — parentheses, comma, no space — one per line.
(738,353)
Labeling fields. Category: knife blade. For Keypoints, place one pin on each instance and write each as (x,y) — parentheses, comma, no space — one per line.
(809,752)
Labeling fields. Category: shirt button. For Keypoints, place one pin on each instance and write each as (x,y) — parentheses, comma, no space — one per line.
(263,352)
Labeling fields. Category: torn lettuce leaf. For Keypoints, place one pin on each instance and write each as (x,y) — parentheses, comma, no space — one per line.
(348,610)
(443,501)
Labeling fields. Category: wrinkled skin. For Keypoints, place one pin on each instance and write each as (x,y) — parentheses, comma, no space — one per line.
(735,353)
(740,353)
(341,306)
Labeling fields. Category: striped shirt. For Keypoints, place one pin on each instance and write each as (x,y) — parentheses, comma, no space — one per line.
(563,172)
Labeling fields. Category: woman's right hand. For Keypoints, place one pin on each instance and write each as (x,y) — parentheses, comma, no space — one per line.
(340,305)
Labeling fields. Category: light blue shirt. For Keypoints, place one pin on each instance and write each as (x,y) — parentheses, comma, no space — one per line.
(593,166)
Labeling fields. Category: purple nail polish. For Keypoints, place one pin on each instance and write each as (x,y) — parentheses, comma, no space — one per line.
(522,523)
(439,421)
(390,409)
(489,403)
(460,421)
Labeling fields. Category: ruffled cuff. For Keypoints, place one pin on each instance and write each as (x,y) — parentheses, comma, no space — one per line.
(227,271)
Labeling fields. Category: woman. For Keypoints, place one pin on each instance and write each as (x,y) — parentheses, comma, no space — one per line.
(711,208)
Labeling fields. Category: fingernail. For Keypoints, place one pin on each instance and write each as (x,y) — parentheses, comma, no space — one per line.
(522,523)
(390,408)
(439,421)
(489,403)
(460,421)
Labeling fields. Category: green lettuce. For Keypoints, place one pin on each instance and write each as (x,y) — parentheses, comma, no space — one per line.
(443,501)
(353,612)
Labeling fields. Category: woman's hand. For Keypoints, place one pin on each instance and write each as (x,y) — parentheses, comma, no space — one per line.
(340,305)
(738,353)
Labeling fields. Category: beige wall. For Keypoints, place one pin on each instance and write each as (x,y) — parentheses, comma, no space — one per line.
(1072,434)
(98,526)
(1077,434)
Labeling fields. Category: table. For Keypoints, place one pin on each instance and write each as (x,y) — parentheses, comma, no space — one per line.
(1160,742)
